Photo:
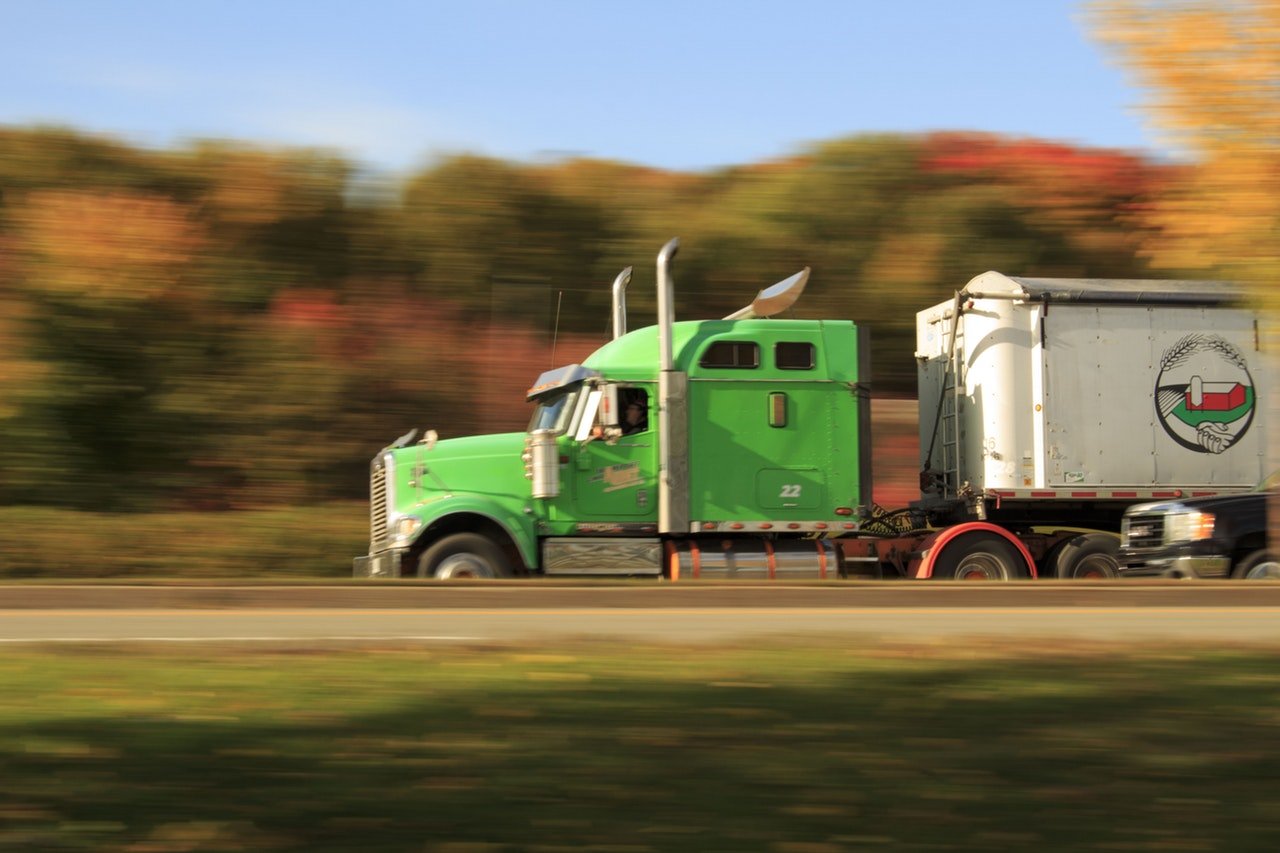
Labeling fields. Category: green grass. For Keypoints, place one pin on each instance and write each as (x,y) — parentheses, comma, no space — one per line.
(314,541)
(802,749)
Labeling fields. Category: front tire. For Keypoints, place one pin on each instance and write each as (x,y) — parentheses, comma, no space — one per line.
(463,556)
(979,557)
(1260,565)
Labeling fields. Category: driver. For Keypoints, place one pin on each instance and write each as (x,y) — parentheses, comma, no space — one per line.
(634,418)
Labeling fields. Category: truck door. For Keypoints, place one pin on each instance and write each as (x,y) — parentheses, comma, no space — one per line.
(616,479)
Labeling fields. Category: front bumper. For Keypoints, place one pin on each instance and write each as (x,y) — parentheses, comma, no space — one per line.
(1170,566)
(384,564)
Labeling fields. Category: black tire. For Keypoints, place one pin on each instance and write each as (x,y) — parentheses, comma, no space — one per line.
(463,556)
(1089,556)
(979,556)
(1260,565)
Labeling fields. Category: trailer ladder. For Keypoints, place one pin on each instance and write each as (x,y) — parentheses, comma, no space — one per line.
(949,424)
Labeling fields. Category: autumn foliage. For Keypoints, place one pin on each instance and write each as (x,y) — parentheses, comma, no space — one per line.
(224,326)
(1212,70)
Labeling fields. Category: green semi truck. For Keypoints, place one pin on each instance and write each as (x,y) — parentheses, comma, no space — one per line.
(740,447)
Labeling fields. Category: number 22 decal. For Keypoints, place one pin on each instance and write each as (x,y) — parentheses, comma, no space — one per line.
(790,491)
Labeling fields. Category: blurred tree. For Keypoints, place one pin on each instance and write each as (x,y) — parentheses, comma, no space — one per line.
(1212,70)
(637,209)
(45,158)
(112,306)
(275,218)
(502,241)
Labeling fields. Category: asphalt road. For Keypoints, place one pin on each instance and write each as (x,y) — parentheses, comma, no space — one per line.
(535,611)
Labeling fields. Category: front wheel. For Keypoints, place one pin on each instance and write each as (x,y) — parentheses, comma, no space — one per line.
(1260,565)
(463,556)
(979,557)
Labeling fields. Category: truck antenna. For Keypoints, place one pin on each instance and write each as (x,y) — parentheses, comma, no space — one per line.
(555,330)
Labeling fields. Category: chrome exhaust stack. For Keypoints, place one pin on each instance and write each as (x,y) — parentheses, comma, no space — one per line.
(620,303)
(673,419)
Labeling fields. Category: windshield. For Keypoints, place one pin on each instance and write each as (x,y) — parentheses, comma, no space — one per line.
(554,411)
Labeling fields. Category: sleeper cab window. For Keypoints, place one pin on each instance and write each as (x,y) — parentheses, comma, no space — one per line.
(731,355)
(794,355)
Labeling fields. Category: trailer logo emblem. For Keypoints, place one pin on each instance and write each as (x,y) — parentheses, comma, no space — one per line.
(1204,393)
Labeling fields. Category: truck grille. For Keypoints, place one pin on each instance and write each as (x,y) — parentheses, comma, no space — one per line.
(1142,531)
(377,506)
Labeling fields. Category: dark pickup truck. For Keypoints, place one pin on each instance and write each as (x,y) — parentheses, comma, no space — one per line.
(1216,537)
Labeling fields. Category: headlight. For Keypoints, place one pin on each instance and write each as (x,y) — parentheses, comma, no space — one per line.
(406,526)
(1188,526)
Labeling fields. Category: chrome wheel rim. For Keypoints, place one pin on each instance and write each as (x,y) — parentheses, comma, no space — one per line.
(463,566)
(1095,567)
(1266,570)
(981,567)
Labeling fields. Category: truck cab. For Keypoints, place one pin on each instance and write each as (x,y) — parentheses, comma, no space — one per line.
(743,452)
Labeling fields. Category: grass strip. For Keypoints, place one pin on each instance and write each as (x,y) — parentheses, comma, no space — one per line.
(798,749)
(314,541)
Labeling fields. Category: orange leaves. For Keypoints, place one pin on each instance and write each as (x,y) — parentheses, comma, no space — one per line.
(1213,70)
(112,246)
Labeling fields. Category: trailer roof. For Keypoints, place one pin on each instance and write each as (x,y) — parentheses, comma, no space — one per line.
(1101,290)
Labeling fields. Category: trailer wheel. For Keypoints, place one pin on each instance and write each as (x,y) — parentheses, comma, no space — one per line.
(1089,556)
(979,557)
(1260,565)
(463,555)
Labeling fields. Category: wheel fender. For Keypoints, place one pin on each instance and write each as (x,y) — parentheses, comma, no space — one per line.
(518,526)
(934,544)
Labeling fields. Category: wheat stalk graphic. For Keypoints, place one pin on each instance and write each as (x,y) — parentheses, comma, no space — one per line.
(1227,351)
(1181,351)
(1189,345)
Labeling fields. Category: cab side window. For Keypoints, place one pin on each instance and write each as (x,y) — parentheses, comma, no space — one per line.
(731,355)
(794,355)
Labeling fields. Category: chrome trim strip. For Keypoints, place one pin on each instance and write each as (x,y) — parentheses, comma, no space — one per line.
(842,526)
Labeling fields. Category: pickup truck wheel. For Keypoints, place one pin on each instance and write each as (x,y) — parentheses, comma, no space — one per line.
(1090,556)
(1260,565)
(463,556)
(978,557)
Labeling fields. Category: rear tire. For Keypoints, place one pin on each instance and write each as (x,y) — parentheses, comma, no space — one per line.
(467,556)
(1260,565)
(979,556)
(1089,556)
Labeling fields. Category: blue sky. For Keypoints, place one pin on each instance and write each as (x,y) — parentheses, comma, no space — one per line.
(681,85)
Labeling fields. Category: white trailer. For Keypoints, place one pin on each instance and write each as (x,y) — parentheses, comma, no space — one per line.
(1059,384)
(1048,406)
